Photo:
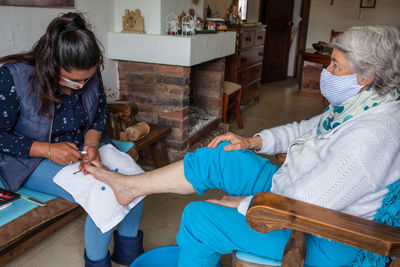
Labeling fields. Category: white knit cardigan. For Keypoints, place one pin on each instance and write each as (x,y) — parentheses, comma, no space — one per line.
(347,169)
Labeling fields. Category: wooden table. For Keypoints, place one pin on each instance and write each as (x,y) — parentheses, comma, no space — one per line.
(153,146)
(311,57)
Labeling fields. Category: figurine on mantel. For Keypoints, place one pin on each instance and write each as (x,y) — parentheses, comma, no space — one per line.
(172,23)
(188,25)
(233,14)
(132,21)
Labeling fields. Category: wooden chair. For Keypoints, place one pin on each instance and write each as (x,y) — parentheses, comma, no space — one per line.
(232,91)
(270,212)
(334,34)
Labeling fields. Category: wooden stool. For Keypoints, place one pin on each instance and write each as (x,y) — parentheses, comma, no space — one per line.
(154,146)
(230,90)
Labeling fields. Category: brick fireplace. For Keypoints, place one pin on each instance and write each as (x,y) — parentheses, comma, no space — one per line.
(186,99)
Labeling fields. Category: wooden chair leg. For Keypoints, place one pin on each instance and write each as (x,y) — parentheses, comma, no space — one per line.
(237,109)
(159,154)
(295,250)
(395,263)
(225,108)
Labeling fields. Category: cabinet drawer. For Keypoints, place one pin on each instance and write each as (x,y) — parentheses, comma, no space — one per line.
(259,37)
(246,39)
(250,57)
(259,53)
(249,75)
(251,93)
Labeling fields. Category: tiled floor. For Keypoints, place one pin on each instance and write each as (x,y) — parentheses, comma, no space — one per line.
(279,103)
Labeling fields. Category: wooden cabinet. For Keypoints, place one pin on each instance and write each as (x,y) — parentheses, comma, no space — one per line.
(245,66)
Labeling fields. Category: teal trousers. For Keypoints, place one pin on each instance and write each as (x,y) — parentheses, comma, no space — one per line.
(208,230)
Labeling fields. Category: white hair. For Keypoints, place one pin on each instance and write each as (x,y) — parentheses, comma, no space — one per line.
(373,51)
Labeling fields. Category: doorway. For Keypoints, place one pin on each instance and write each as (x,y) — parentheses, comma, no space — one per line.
(277,15)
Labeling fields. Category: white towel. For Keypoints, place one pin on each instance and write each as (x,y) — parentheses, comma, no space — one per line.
(96,197)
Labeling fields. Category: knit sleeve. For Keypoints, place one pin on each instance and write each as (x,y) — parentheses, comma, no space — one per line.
(277,139)
(10,143)
(339,173)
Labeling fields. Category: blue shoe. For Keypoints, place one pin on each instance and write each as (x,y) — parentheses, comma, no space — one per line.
(127,249)
(106,262)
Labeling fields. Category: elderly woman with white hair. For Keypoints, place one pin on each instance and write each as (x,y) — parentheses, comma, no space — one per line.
(343,159)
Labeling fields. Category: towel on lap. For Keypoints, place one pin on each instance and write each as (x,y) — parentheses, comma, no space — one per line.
(96,197)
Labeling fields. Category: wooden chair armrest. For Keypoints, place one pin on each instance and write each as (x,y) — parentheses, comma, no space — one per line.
(270,212)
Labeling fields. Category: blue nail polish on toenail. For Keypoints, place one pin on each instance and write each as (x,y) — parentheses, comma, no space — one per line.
(116,170)
(103,188)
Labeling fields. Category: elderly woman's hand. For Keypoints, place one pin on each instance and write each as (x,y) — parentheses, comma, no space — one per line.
(237,142)
(227,201)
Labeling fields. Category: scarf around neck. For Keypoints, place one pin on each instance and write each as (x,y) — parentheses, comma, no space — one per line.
(334,116)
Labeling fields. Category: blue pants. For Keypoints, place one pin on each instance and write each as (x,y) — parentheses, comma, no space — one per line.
(96,242)
(208,230)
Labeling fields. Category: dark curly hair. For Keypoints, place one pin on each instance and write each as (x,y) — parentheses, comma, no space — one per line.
(68,43)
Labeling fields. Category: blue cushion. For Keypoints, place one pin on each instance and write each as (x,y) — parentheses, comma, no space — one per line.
(245,256)
(123,146)
(21,206)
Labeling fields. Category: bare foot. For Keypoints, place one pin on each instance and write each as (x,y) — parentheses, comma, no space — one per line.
(123,190)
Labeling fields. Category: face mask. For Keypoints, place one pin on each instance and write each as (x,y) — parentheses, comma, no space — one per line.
(337,89)
(71,84)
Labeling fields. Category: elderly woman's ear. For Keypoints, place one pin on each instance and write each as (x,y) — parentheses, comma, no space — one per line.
(365,80)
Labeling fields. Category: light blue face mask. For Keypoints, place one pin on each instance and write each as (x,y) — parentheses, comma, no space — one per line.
(337,89)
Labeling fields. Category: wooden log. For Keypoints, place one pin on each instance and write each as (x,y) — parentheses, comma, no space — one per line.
(137,131)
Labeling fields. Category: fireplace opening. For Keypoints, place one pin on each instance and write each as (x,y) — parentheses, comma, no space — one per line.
(186,99)
(198,118)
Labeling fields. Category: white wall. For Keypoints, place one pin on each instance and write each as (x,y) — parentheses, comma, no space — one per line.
(219,6)
(253,11)
(25,25)
(345,13)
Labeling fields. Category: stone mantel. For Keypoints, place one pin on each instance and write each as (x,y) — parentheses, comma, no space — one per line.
(170,50)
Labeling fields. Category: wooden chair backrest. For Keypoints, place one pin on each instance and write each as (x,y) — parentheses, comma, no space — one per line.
(334,34)
(121,114)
